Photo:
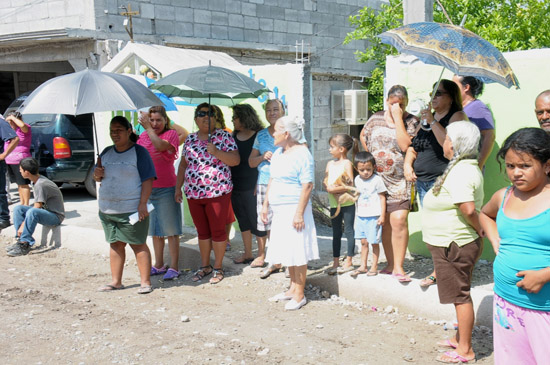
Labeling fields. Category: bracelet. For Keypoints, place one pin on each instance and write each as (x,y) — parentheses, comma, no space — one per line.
(433,121)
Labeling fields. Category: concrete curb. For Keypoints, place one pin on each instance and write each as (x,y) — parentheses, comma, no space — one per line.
(82,232)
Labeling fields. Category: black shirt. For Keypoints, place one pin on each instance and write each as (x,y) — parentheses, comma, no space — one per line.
(244,177)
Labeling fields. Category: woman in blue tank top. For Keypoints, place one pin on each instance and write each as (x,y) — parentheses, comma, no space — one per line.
(516,220)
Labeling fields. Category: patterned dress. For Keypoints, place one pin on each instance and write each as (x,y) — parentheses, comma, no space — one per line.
(382,143)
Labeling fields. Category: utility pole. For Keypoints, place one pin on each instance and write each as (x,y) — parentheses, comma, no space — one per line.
(128,13)
(415,11)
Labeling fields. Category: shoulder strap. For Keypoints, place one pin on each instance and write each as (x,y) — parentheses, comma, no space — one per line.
(506,196)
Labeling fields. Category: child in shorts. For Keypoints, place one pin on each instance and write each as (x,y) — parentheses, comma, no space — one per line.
(371,208)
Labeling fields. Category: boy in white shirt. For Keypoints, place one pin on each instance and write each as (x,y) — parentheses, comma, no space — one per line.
(371,209)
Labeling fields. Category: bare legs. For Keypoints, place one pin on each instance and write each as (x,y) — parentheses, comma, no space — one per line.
(365,255)
(297,282)
(395,238)
(24,194)
(206,246)
(117,255)
(173,246)
(465,317)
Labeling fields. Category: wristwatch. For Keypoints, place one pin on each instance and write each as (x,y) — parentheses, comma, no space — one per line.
(433,122)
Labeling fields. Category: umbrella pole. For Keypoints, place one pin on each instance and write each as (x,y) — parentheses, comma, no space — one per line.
(98,159)
(436,85)
(209,112)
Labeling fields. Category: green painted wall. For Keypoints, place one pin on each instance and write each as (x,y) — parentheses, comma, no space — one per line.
(512,109)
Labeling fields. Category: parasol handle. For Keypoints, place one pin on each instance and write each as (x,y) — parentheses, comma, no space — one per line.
(98,162)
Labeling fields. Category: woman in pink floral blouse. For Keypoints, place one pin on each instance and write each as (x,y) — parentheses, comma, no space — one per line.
(205,174)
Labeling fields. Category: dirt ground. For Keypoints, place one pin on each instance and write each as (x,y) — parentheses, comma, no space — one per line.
(53,314)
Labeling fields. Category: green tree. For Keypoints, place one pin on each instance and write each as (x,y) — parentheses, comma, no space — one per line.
(509,25)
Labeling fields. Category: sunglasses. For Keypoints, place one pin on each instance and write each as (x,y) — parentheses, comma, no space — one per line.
(439,93)
(202,113)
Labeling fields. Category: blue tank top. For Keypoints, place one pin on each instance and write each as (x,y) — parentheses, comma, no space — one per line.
(524,245)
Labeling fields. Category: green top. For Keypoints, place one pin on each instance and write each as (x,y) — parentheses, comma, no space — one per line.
(442,221)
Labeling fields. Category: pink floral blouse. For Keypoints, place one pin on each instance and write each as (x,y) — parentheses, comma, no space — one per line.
(206,176)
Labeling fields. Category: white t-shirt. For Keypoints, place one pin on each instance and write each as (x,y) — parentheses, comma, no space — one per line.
(368,204)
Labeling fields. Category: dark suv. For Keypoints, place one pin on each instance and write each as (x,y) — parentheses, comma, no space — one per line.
(63,145)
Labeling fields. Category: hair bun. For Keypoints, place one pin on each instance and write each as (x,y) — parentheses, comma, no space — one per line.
(299,122)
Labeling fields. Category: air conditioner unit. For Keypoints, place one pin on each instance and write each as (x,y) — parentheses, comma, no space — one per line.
(350,106)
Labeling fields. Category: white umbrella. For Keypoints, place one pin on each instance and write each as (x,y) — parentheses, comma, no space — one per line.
(89,91)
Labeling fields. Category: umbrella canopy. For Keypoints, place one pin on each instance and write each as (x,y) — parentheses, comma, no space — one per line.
(453,47)
(210,84)
(89,91)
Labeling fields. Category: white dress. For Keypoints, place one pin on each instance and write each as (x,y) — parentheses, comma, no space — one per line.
(286,245)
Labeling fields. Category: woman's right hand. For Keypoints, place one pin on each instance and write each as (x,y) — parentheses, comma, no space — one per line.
(267,156)
(409,173)
(99,173)
(178,197)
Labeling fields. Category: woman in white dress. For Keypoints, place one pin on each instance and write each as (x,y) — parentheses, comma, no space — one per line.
(293,240)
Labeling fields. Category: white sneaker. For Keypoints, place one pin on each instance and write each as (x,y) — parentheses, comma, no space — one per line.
(280,296)
(294,305)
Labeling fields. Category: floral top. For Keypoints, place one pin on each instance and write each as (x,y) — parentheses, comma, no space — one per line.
(206,176)
(382,143)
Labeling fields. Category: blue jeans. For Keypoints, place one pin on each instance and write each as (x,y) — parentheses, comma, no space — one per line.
(31,217)
(4,207)
(422,188)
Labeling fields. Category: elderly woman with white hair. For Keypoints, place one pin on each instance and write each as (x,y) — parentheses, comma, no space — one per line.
(451,229)
(293,240)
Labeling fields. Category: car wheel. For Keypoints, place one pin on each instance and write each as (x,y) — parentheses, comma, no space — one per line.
(90,184)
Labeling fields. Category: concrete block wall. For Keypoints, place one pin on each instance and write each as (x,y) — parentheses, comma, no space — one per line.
(237,27)
(22,16)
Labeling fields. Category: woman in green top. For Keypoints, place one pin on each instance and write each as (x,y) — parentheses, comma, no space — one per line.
(451,229)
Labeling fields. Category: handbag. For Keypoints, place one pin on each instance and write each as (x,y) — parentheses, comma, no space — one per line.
(413,207)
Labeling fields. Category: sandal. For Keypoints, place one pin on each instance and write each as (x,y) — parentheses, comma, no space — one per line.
(332,271)
(258,263)
(427,281)
(268,271)
(243,261)
(201,273)
(171,274)
(357,272)
(145,289)
(402,278)
(161,271)
(110,287)
(372,273)
(446,343)
(451,357)
(217,276)
(385,271)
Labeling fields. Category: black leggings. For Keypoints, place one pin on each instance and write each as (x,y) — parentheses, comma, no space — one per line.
(347,214)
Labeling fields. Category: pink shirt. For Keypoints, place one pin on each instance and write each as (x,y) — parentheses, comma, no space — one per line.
(23,148)
(163,161)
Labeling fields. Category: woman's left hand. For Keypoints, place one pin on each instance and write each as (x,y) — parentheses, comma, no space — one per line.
(211,148)
(533,280)
(298,222)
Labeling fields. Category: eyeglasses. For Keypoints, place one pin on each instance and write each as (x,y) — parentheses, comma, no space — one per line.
(438,93)
(202,113)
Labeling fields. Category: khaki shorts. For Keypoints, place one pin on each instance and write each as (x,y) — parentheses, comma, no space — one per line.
(117,227)
(453,267)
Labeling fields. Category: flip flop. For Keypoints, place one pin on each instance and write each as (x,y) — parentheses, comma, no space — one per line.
(145,289)
(428,281)
(344,269)
(161,271)
(372,273)
(451,357)
(402,278)
(332,271)
(242,261)
(386,272)
(446,343)
(110,287)
(255,264)
(357,272)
